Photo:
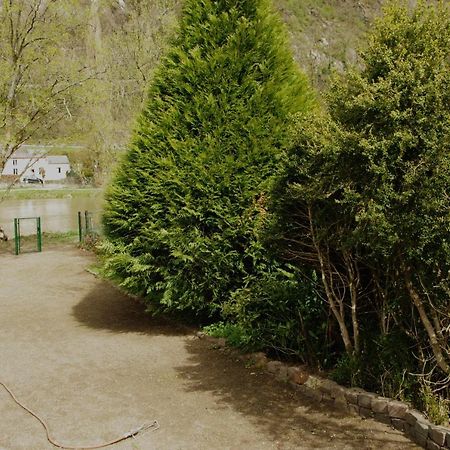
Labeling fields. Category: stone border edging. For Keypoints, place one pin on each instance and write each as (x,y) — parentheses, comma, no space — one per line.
(355,401)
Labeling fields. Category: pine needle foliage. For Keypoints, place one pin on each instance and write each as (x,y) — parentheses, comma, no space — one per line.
(182,212)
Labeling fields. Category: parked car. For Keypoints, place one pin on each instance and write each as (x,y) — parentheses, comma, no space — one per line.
(32,180)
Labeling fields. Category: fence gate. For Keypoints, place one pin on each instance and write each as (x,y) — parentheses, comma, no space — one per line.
(24,230)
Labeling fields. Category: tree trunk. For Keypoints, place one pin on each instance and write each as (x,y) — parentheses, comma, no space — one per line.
(332,300)
(353,285)
(434,341)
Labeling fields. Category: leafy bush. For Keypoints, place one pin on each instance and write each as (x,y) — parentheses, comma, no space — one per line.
(394,168)
(348,371)
(233,333)
(363,199)
(280,312)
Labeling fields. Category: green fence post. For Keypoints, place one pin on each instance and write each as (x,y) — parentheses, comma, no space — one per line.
(39,234)
(91,228)
(86,222)
(16,236)
(80,227)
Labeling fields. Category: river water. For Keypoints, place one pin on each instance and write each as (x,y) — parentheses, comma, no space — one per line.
(57,215)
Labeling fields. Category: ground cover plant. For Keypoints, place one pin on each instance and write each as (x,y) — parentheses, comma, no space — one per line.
(182,213)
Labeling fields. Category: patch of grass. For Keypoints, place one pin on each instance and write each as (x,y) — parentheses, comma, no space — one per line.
(43,193)
(328,11)
(29,243)
(234,334)
(68,237)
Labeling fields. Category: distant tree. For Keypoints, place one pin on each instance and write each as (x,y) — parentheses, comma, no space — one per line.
(180,213)
(124,43)
(37,74)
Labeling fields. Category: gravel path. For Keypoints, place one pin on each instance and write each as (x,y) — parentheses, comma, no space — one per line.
(88,360)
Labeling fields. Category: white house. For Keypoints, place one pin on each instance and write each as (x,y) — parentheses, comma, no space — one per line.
(34,163)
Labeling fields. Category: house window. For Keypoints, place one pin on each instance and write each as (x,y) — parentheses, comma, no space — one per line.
(15,172)
(59,169)
(14,162)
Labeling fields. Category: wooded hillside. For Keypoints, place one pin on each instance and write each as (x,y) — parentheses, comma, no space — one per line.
(77,71)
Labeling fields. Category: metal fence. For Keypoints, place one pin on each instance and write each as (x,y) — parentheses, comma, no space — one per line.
(29,245)
(89,226)
(33,234)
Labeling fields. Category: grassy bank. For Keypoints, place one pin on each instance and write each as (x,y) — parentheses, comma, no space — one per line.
(38,193)
(49,241)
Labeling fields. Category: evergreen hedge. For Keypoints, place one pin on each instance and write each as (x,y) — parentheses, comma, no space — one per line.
(182,211)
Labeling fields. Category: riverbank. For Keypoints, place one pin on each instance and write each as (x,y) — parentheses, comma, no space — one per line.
(49,192)
(50,241)
(57,208)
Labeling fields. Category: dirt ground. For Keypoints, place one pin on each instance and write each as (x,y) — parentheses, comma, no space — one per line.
(86,358)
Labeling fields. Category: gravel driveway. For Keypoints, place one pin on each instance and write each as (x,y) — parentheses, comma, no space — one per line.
(86,358)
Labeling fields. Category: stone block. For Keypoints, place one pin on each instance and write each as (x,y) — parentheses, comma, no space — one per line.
(398,424)
(282,374)
(431,445)
(312,394)
(422,426)
(274,366)
(339,395)
(383,418)
(365,412)
(413,416)
(379,405)
(419,431)
(351,395)
(439,434)
(297,375)
(408,429)
(447,441)
(418,438)
(397,410)
(338,392)
(340,402)
(365,400)
(353,409)
(313,382)
(258,359)
(328,387)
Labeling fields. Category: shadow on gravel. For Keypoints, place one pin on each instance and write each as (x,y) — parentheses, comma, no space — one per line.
(106,308)
(280,412)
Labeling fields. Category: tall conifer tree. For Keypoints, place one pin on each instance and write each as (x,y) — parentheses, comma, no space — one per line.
(180,212)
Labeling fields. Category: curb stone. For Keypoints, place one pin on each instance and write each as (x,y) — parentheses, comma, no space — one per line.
(355,401)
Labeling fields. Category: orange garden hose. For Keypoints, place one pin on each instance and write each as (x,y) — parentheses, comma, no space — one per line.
(154,425)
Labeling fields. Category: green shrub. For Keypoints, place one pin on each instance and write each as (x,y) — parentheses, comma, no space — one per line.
(348,371)
(435,406)
(280,312)
(363,198)
(233,333)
